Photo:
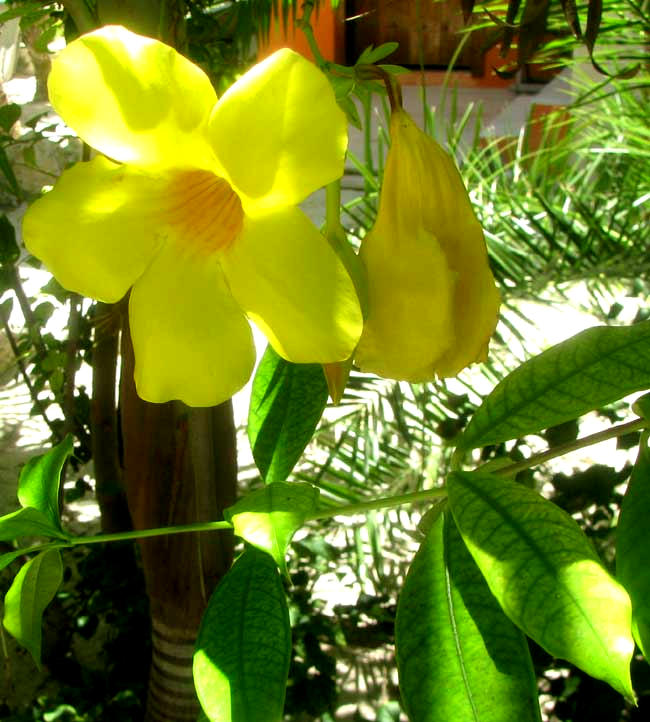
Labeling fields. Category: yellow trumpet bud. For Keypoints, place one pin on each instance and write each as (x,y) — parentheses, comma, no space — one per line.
(432,301)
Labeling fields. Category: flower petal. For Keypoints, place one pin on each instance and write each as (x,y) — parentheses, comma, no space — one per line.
(410,292)
(287,278)
(279,133)
(133,98)
(92,230)
(191,340)
(476,301)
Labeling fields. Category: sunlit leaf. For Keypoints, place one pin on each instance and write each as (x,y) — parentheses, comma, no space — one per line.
(633,546)
(241,660)
(32,590)
(269,517)
(459,657)
(287,401)
(40,480)
(594,368)
(545,574)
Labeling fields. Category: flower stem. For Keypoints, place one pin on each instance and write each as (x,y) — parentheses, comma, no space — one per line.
(304,23)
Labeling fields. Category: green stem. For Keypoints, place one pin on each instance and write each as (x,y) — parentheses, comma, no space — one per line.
(304,23)
(144,533)
(570,446)
(385,503)
(333,227)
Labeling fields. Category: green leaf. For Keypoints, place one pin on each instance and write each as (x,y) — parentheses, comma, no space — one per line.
(372,55)
(545,574)
(241,660)
(40,479)
(9,251)
(287,401)
(28,522)
(32,590)
(9,114)
(8,172)
(6,559)
(633,546)
(459,657)
(269,517)
(594,368)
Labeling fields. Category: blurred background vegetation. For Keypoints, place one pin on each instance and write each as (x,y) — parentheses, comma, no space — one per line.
(566,218)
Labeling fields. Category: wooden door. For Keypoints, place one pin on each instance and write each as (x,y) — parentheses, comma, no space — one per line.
(427,24)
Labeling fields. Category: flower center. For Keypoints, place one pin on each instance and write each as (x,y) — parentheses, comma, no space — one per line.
(204,209)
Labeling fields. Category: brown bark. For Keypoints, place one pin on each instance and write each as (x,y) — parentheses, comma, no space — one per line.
(109,489)
(179,467)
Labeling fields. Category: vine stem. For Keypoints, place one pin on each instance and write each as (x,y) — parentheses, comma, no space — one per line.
(596,438)
(364,506)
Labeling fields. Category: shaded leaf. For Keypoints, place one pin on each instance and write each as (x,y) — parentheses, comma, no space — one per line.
(467,7)
(9,251)
(594,368)
(269,517)
(241,660)
(571,14)
(546,575)
(28,522)
(8,557)
(287,401)
(459,657)
(40,478)
(633,546)
(594,15)
(9,114)
(8,172)
(32,590)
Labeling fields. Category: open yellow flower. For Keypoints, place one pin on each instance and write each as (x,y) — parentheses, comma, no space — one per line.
(195,210)
(432,300)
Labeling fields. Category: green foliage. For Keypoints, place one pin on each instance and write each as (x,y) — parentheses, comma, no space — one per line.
(458,655)
(32,590)
(269,517)
(242,652)
(632,548)
(287,401)
(545,574)
(594,368)
(40,480)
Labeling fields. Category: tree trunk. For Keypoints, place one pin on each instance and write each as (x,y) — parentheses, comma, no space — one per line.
(180,467)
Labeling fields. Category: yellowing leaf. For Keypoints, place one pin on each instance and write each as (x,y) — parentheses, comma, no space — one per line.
(269,517)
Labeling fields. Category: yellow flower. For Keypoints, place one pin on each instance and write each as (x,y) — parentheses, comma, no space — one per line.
(432,300)
(196,210)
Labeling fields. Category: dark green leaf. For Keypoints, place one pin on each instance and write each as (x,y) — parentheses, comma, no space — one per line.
(372,55)
(28,522)
(8,172)
(287,401)
(32,590)
(22,9)
(269,517)
(40,479)
(459,657)
(241,660)
(8,557)
(633,546)
(594,368)
(571,14)
(468,8)
(9,251)
(594,15)
(545,574)
(9,114)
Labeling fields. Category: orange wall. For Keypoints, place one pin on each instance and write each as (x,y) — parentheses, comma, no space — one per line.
(328,27)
